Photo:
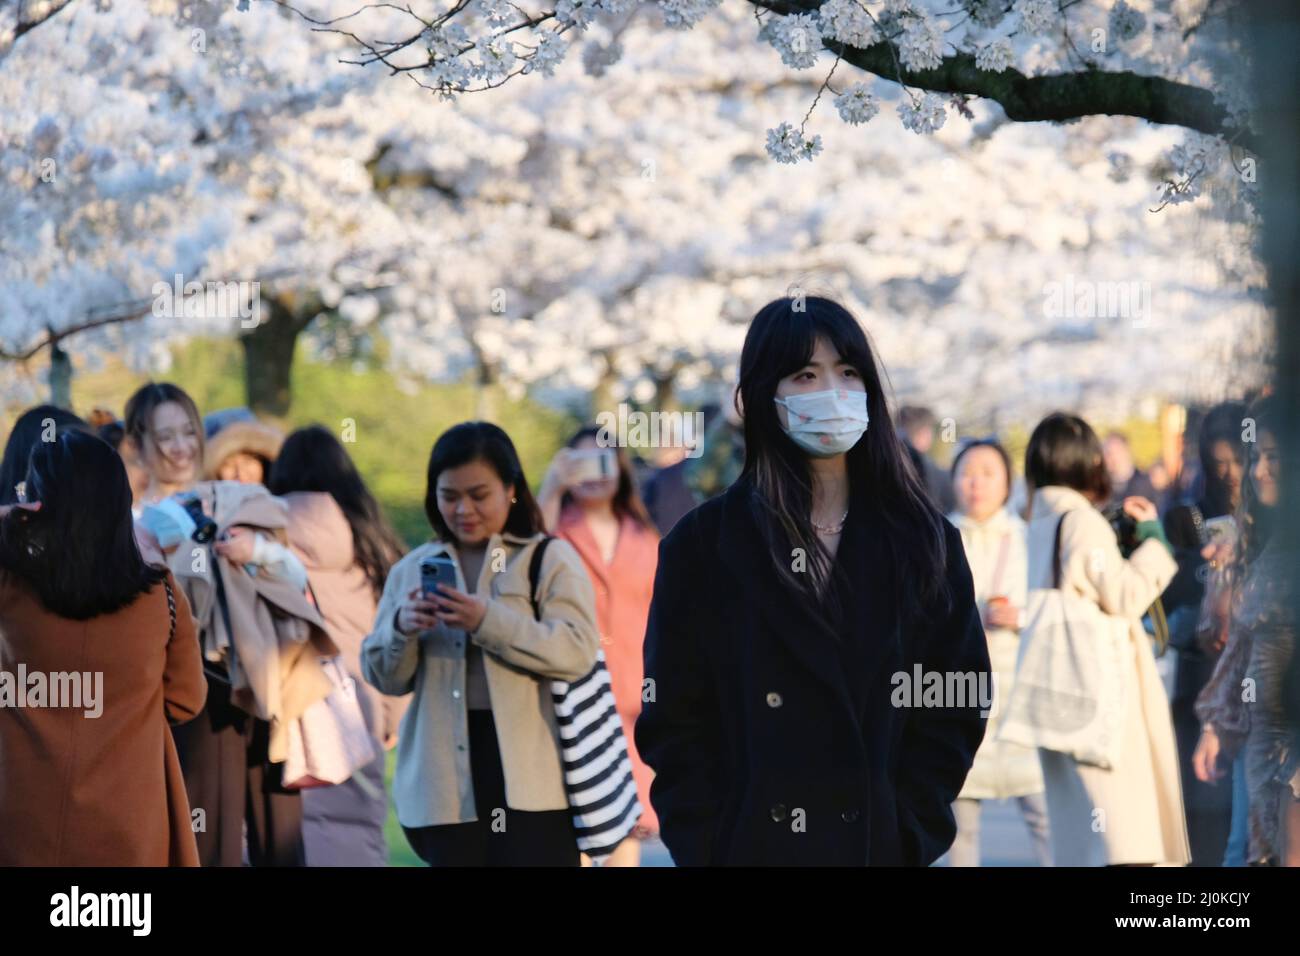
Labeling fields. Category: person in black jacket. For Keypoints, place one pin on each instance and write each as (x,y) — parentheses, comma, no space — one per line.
(795,619)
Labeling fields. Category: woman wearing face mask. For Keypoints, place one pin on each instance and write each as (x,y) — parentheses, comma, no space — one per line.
(224,753)
(479,777)
(1260,645)
(607,524)
(794,619)
(994,540)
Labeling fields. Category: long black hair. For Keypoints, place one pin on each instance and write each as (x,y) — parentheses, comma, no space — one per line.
(78,552)
(485,442)
(42,423)
(312,459)
(1221,423)
(781,340)
(1256,520)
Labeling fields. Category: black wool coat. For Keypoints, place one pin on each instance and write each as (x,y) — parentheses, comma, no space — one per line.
(772,745)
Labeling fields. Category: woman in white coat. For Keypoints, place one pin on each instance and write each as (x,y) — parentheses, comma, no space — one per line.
(1131,814)
(994,540)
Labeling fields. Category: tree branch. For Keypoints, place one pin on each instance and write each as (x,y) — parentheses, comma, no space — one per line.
(1052,98)
(21,24)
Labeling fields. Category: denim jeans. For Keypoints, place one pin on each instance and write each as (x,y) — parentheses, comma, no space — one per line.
(1235,853)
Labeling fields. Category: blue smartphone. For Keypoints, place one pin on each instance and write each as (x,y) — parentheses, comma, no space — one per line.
(436,570)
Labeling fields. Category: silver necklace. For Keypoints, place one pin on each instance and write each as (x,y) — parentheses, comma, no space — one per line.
(836,529)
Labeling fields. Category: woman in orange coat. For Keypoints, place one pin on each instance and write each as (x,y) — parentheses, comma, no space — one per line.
(607,524)
(91,671)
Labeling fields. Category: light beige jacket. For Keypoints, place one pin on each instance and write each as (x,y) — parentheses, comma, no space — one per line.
(433,785)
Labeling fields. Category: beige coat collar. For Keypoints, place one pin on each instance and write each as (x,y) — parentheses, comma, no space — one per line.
(1056,499)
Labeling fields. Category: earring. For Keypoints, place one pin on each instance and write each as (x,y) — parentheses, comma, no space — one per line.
(514,501)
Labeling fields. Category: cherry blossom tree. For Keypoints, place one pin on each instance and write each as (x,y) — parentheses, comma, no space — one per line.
(604,231)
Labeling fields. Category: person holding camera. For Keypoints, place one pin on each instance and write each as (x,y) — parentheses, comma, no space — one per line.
(590,500)
(92,779)
(245,586)
(479,778)
(1131,813)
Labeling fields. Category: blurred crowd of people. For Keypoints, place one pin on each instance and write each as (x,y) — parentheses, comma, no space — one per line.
(245,597)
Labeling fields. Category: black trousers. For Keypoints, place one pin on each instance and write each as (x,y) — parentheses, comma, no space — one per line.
(223,755)
(500,836)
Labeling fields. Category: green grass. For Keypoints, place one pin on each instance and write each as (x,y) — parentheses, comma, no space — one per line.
(399,851)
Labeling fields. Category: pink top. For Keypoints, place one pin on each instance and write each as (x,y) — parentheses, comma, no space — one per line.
(623,591)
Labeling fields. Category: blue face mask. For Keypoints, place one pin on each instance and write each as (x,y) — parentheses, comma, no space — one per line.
(827,423)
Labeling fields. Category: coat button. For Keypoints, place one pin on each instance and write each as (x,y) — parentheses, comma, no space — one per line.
(849,816)
(456,694)
(774,699)
(778,812)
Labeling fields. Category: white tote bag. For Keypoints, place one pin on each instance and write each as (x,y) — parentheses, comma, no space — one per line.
(330,741)
(1071,685)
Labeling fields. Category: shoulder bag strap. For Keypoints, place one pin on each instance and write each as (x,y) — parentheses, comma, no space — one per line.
(171,608)
(1056,553)
(535,575)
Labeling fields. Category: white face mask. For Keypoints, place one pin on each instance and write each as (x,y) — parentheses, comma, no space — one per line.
(826,423)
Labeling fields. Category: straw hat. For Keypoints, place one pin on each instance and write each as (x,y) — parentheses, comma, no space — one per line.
(249,436)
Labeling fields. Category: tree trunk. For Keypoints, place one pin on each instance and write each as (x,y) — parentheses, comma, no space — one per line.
(268,354)
(1275,33)
(60,378)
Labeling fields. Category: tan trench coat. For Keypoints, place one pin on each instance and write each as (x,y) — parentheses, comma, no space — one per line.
(1134,812)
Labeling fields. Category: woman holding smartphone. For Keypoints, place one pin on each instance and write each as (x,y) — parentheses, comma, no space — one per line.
(595,507)
(479,777)
(790,617)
